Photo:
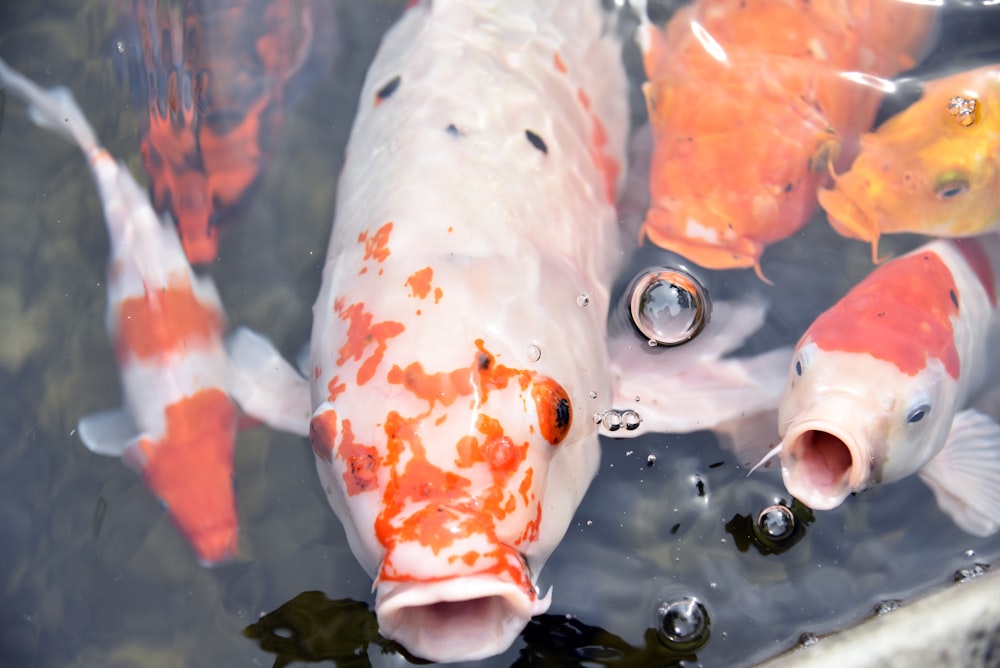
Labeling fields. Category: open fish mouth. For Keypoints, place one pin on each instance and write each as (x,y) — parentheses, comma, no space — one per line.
(821,464)
(463,618)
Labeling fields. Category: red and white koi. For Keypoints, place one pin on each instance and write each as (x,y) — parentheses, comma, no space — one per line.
(881,384)
(458,348)
(178,424)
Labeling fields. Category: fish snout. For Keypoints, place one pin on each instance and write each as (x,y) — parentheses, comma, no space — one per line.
(822,463)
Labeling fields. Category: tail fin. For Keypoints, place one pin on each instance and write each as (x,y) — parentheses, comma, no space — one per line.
(54,109)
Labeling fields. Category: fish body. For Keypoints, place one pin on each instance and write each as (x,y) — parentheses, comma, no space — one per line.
(933,168)
(881,385)
(215,76)
(750,101)
(458,344)
(178,424)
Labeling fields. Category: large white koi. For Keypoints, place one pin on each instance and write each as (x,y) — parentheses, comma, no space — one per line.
(178,424)
(881,384)
(458,348)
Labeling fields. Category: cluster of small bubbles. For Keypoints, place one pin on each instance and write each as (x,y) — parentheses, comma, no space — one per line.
(582,300)
(534,353)
(777,522)
(974,571)
(807,639)
(683,621)
(885,607)
(613,420)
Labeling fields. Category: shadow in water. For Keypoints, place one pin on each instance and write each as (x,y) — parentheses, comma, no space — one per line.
(314,628)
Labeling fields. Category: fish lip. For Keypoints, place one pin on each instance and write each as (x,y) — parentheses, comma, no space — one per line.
(813,466)
(463,618)
(844,213)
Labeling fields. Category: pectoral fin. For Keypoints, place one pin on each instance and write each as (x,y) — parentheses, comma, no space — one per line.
(965,475)
(265,385)
(108,433)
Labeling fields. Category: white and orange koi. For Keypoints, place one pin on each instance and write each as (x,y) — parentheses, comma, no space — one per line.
(178,424)
(458,347)
(881,385)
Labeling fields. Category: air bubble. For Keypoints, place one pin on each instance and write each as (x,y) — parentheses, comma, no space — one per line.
(668,306)
(534,353)
(776,522)
(611,420)
(684,622)
(582,300)
(808,639)
(650,460)
(974,571)
(631,420)
(593,394)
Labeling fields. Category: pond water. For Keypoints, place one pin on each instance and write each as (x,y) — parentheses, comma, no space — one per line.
(93,574)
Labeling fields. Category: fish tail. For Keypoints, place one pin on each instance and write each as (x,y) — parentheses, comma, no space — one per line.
(54,109)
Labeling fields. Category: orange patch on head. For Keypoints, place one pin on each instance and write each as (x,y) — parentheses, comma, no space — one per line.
(361,334)
(165,322)
(191,470)
(420,282)
(901,313)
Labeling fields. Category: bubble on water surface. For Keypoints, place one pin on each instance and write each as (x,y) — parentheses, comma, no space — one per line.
(668,306)
(684,622)
(776,522)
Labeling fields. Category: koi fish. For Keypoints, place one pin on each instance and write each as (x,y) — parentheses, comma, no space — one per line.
(215,78)
(475,227)
(933,168)
(178,424)
(881,384)
(750,101)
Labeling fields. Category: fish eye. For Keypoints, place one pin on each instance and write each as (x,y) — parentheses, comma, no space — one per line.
(668,305)
(918,413)
(951,185)
(554,410)
(798,367)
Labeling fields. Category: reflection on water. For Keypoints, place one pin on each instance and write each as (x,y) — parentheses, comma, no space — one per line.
(92,574)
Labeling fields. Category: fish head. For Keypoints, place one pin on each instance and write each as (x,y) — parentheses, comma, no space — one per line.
(190,469)
(456,460)
(924,170)
(849,421)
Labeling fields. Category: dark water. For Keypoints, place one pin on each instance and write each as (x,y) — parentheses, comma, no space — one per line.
(92,573)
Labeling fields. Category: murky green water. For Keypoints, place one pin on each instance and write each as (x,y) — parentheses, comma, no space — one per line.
(92,573)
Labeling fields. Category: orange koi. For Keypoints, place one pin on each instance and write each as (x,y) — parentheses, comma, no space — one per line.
(178,424)
(750,101)
(933,168)
(215,79)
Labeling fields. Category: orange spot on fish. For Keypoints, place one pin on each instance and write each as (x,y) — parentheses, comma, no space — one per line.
(420,282)
(323,434)
(526,484)
(165,322)
(362,463)
(377,245)
(901,313)
(558,62)
(438,293)
(980,263)
(191,470)
(362,333)
(607,165)
(584,99)
(335,387)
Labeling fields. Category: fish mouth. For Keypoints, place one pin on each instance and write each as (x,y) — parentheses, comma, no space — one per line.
(458,619)
(845,214)
(821,464)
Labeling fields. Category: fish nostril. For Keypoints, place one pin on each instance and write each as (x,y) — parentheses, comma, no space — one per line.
(825,458)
